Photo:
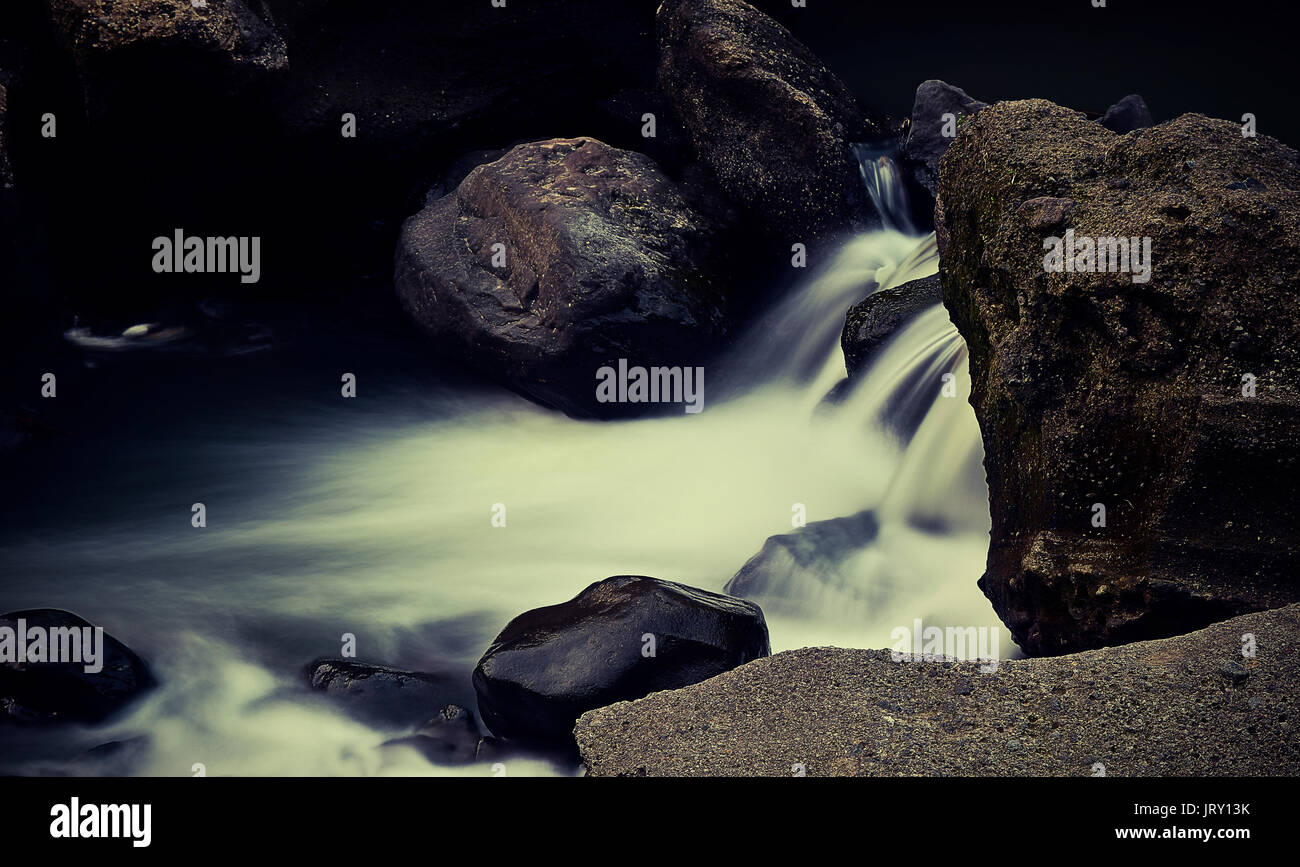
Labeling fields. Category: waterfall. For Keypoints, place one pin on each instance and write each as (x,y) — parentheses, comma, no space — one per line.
(922,535)
(373,517)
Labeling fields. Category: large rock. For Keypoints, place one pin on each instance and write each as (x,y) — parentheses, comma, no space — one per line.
(872,321)
(604,258)
(1185,706)
(621,638)
(63,691)
(1091,388)
(774,124)
(927,132)
(122,46)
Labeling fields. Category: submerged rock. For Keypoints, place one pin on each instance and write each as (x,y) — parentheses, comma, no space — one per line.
(382,695)
(558,259)
(872,321)
(619,639)
(1154,708)
(772,122)
(929,132)
(803,571)
(1139,424)
(52,692)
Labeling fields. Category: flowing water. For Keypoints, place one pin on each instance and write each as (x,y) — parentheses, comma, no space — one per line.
(372,516)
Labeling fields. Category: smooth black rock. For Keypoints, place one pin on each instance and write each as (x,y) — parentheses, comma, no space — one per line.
(550,665)
(50,692)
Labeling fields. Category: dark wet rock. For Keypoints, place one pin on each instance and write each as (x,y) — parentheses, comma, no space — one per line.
(604,259)
(1091,388)
(803,570)
(1153,708)
(1128,114)
(773,123)
(871,322)
(53,692)
(551,664)
(926,140)
(382,695)
(125,47)
(450,738)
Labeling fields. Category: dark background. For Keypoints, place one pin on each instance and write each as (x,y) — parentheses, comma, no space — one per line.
(161,147)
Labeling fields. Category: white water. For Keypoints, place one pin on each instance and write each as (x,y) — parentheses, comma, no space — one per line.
(378,523)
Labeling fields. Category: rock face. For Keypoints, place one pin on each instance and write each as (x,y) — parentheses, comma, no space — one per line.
(926,140)
(871,322)
(1171,403)
(1128,114)
(803,571)
(601,257)
(382,695)
(1184,706)
(51,692)
(771,121)
(621,638)
(121,44)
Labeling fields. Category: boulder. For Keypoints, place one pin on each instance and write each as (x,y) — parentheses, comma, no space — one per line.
(621,638)
(560,258)
(1190,706)
(773,123)
(381,695)
(926,138)
(1128,114)
(872,321)
(1169,400)
(53,692)
(803,571)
